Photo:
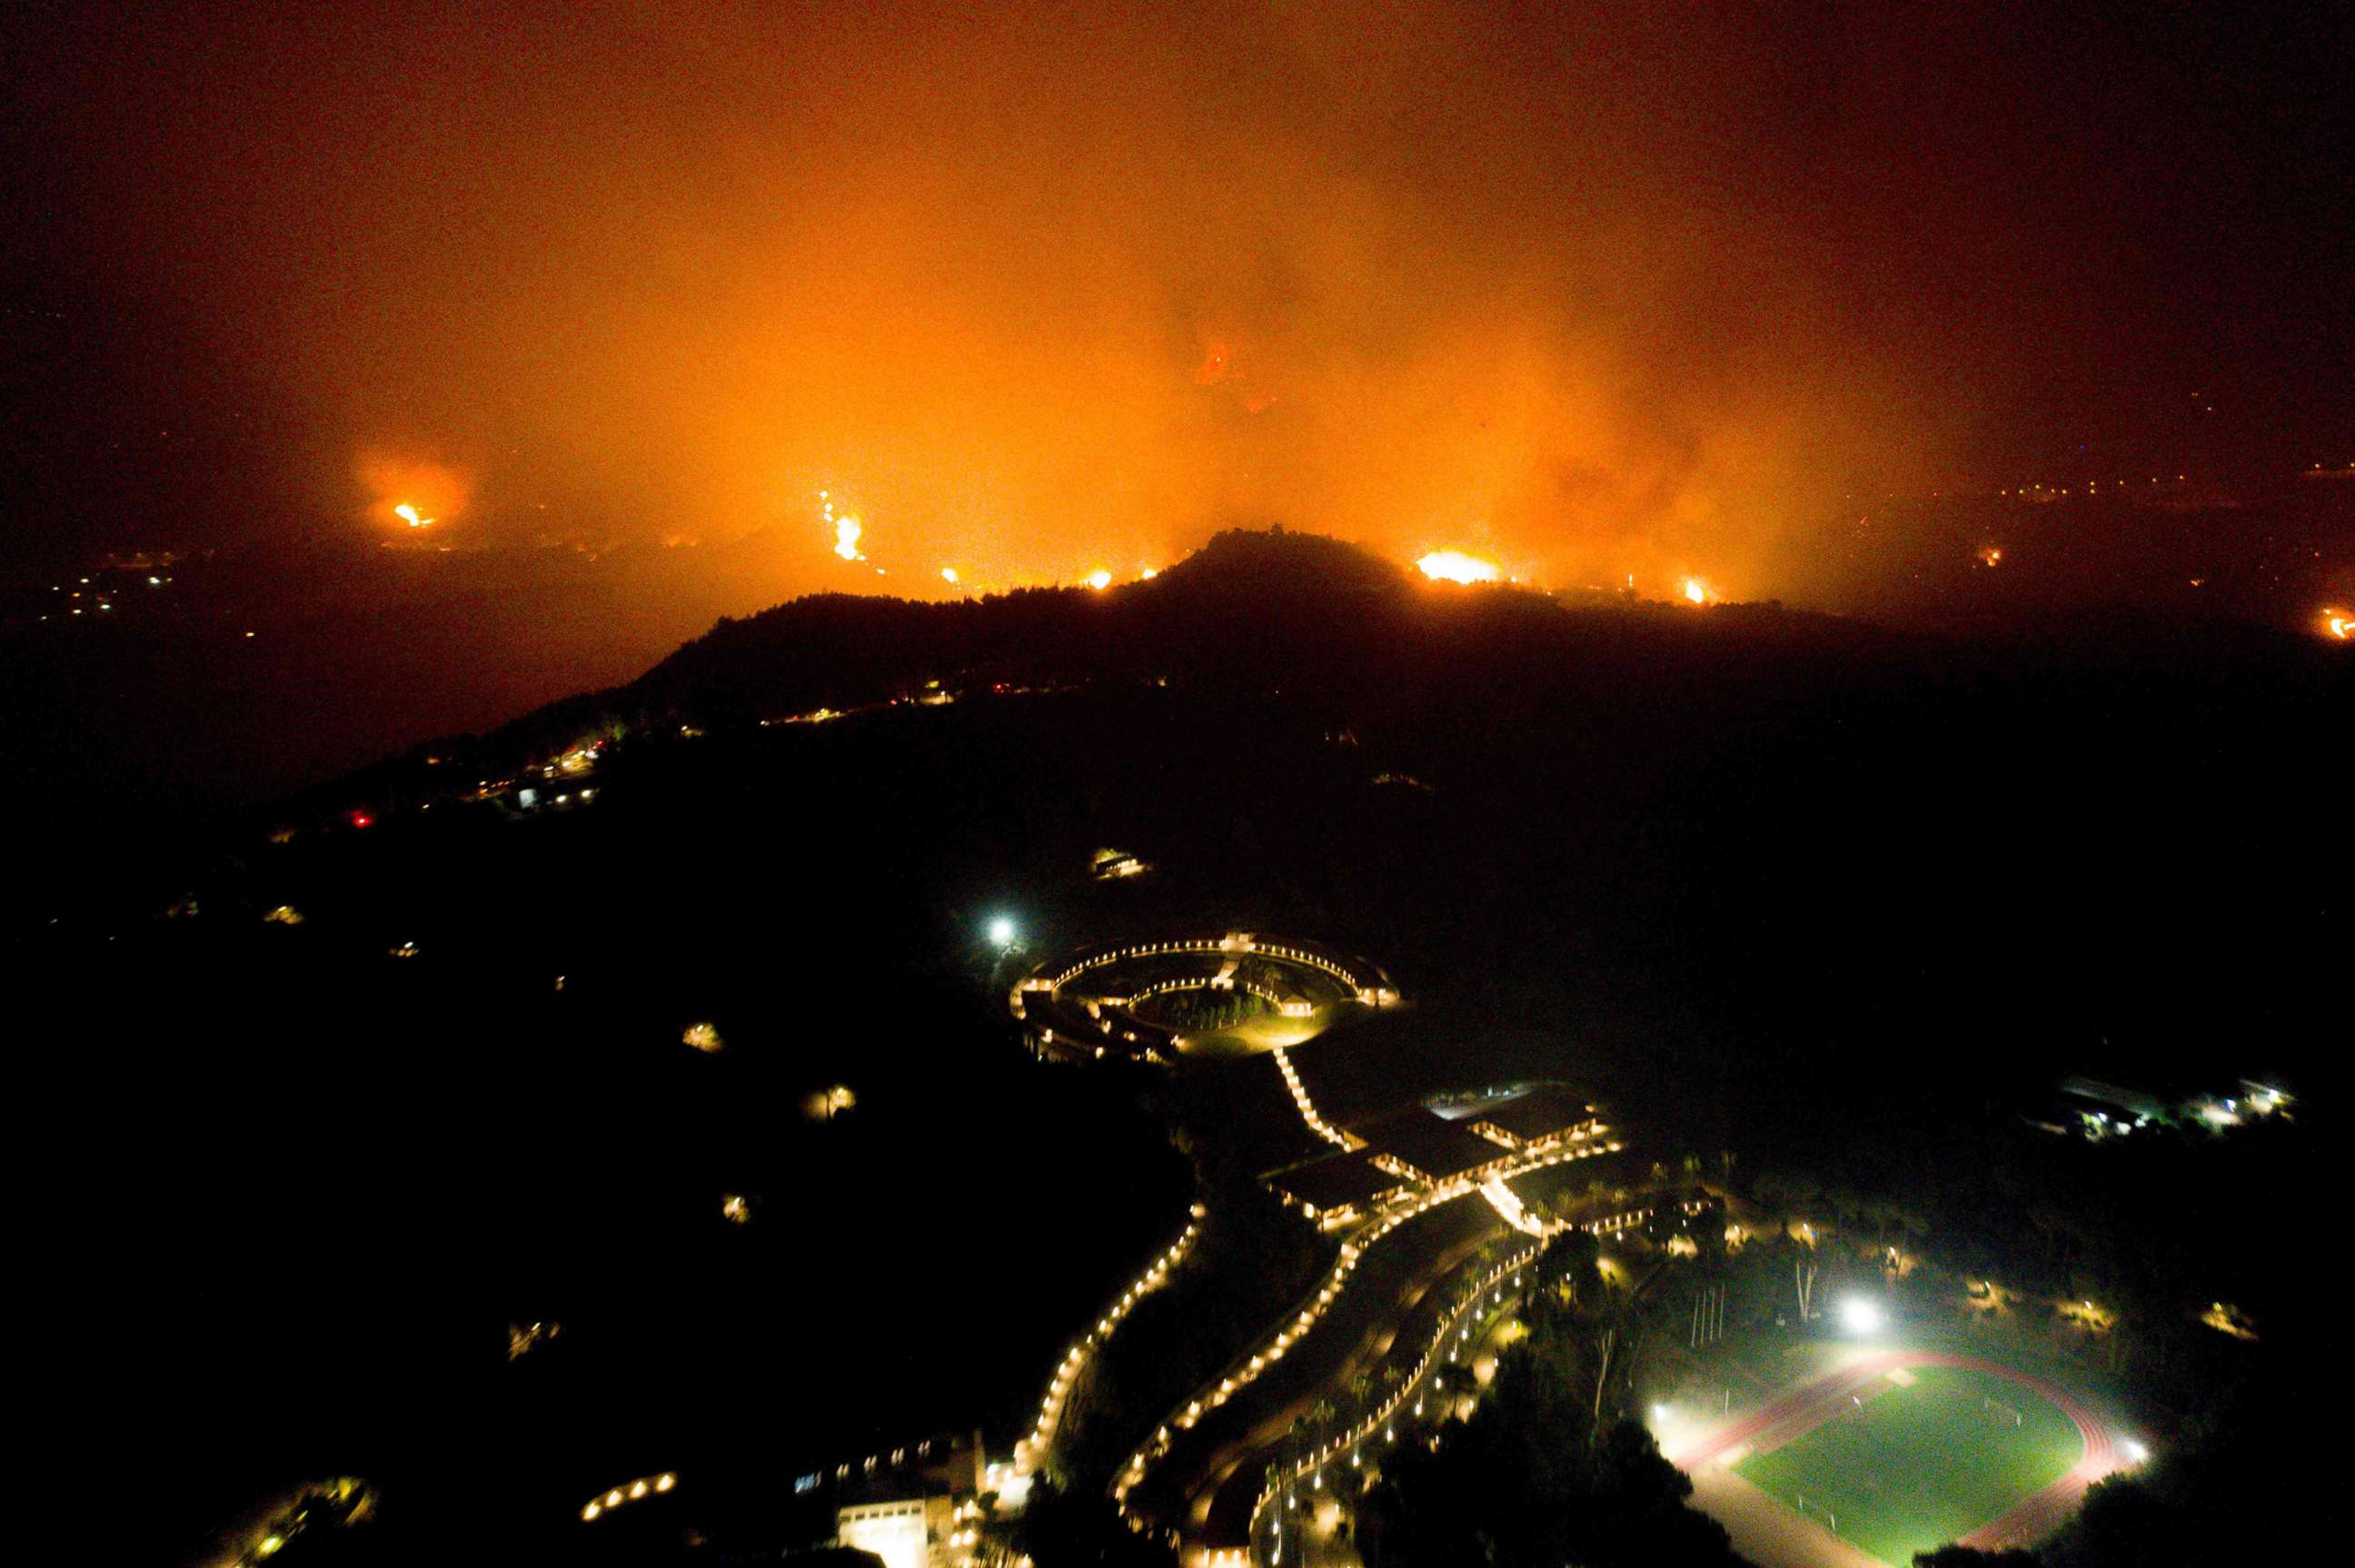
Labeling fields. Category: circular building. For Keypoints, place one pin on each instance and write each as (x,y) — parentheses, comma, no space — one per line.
(1223,995)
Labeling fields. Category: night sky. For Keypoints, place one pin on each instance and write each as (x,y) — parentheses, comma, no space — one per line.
(1655,290)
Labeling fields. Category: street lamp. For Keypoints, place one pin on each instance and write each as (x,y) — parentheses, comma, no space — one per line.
(1002,931)
(1859,1316)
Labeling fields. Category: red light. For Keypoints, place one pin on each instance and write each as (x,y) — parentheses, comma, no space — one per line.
(362,820)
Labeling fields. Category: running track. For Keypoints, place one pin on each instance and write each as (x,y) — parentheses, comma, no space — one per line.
(1805,1409)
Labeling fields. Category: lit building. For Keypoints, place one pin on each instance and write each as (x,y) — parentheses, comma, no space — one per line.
(905,1532)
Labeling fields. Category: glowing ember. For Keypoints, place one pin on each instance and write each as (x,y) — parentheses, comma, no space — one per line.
(408,514)
(1100,579)
(1991,556)
(1455,566)
(1696,591)
(2338,625)
(703,1037)
(948,574)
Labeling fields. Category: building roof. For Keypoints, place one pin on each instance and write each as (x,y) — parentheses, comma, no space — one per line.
(1544,1111)
(1335,1181)
(1429,1142)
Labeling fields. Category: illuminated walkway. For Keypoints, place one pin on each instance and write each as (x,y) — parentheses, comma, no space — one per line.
(1197,1481)
(1508,1206)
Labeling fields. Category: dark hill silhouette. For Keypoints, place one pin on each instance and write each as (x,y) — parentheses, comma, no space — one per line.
(1424,669)
(1315,618)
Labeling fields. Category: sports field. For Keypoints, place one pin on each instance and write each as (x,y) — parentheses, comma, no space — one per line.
(1923,1461)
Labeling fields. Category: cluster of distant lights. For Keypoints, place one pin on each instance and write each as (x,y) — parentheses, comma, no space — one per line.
(645,1486)
(2092,488)
(100,594)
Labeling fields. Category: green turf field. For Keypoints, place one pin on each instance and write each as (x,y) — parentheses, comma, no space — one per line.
(1918,1466)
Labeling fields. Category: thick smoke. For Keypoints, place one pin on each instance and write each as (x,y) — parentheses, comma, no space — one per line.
(1040,290)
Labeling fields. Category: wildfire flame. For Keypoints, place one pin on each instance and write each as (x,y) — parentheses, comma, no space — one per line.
(1455,566)
(948,574)
(846,529)
(410,493)
(2338,625)
(1696,591)
(1100,579)
(1991,556)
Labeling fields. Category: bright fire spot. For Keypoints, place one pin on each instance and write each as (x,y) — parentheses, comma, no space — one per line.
(846,536)
(703,1037)
(948,574)
(1695,590)
(1991,556)
(2341,627)
(1455,566)
(1150,573)
(1100,579)
(413,493)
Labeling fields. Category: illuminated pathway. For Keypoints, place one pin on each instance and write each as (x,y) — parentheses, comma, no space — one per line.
(1033,1448)
(1508,1206)
(1449,1341)
(1206,1500)
(1307,1106)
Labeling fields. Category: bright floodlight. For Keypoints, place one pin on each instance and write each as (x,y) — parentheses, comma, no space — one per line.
(1001,932)
(2136,1453)
(1659,1412)
(1859,1316)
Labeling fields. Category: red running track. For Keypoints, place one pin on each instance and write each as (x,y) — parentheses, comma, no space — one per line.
(1803,1410)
